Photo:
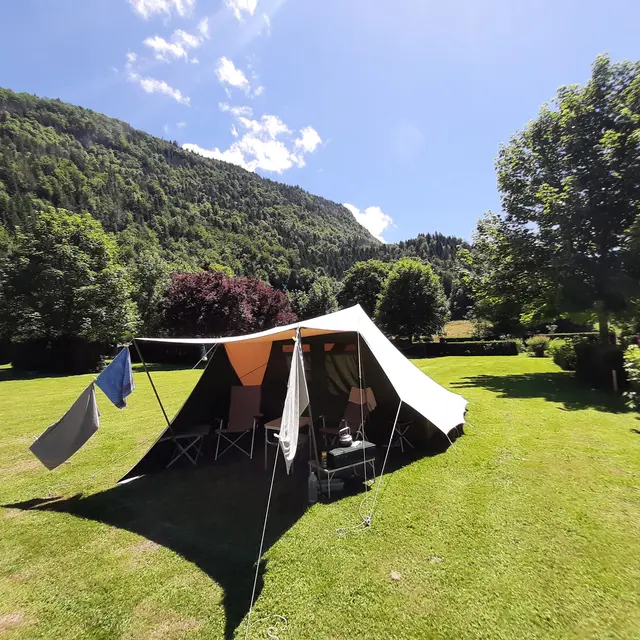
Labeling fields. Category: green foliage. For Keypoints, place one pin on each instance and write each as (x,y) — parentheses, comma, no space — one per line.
(570,184)
(632,367)
(319,300)
(412,303)
(362,285)
(62,279)
(197,212)
(538,346)
(487,274)
(563,353)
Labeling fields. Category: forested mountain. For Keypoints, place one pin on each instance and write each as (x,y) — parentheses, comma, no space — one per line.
(193,212)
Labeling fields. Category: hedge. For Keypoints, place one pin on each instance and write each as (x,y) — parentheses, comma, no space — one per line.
(595,363)
(589,336)
(473,339)
(65,355)
(478,348)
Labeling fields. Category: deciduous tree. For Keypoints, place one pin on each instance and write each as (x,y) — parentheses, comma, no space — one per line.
(412,303)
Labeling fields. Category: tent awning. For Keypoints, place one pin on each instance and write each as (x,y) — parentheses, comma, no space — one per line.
(444,409)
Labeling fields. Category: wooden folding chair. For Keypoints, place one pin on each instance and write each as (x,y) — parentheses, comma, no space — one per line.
(244,415)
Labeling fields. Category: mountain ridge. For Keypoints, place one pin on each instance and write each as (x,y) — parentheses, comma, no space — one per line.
(195,211)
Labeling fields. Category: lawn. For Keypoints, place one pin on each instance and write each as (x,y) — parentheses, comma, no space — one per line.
(528,527)
(459,329)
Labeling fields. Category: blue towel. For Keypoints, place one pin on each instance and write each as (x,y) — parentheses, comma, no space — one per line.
(117,379)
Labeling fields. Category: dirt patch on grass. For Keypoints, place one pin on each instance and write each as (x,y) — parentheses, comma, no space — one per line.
(143,547)
(149,624)
(23,465)
(12,621)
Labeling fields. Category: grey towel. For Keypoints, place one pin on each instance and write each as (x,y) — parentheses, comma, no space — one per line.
(63,438)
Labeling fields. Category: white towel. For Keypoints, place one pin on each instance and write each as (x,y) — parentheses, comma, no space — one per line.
(63,438)
(295,403)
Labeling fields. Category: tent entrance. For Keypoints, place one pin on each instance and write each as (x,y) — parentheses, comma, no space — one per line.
(331,368)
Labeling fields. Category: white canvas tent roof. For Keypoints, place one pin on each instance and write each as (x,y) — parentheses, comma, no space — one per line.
(442,408)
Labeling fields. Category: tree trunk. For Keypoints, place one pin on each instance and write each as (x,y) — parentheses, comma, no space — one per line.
(603,324)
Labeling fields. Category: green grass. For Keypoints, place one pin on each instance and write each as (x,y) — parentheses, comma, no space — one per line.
(529,527)
(459,329)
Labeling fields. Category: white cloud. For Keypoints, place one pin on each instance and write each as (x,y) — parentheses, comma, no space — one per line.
(132,57)
(266,143)
(258,91)
(308,140)
(181,125)
(189,40)
(151,85)
(236,111)
(148,8)
(239,7)
(164,49)
(194,61)
(180,43)
(203,27)
(372,218)
(166,129)
(228,73)
(267,22)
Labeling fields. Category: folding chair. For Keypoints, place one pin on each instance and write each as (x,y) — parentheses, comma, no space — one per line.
(244,414)
(192,446)
(361,402)
(400,435)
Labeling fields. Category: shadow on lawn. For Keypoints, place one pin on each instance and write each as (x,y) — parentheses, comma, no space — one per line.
(211,515)
(556,387)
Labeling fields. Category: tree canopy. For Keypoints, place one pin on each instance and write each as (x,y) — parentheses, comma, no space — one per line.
(61,278)
(570,184)
(412,303)
(363,283)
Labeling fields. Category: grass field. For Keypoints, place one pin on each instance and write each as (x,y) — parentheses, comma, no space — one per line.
(528,527)
(459,329)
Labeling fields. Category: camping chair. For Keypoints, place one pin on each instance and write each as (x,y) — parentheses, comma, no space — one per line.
(189,443)
(361,403)
(244,414)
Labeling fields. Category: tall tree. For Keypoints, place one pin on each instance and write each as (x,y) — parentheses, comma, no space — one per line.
(412,303)
(487,271)
(570,184)
(363,283)
(62,279)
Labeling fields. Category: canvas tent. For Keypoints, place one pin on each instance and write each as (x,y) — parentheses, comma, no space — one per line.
(341,350)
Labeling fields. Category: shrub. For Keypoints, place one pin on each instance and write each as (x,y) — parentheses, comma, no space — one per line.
(632,368)
(211,303)
(595,363)
(563,353)
(538,346)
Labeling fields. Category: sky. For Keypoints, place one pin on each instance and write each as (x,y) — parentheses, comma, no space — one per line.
(395,108)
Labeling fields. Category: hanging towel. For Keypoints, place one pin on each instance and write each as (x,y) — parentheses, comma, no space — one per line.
(117,379)
(63,438)
(295,403)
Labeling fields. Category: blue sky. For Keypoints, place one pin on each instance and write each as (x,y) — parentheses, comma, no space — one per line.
(394,107)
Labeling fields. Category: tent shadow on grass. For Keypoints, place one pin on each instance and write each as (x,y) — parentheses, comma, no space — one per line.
(557,387)
(212,515)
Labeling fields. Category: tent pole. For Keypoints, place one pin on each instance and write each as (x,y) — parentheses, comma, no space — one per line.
(153,386)
(312,429)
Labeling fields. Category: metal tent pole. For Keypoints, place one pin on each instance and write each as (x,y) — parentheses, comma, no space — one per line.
(153,386)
